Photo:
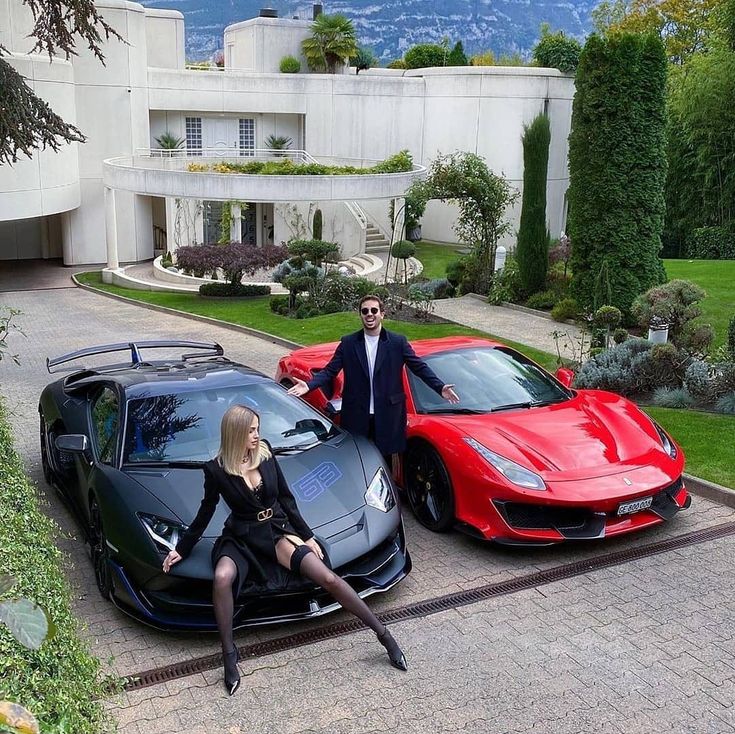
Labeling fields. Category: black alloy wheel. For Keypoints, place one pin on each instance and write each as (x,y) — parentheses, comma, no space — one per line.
(428,487)
(99,551)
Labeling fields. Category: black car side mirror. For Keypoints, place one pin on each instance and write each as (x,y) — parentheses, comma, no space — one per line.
(75,443)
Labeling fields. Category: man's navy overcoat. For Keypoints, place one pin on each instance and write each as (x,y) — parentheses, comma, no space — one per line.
(389,398)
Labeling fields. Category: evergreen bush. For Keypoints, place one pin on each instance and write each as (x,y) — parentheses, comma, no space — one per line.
(233,290)
(731,338)
(567,308)
(532,251)
(697,381)
(617,167)
(457,56)
(711,243)
(424,55)
(289,65)
(543,300)
(59,683)
(620,335)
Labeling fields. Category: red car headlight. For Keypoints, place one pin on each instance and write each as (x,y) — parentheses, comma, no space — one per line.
(514,473)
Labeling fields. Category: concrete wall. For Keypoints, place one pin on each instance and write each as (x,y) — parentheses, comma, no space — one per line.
(164,31)
(259,44)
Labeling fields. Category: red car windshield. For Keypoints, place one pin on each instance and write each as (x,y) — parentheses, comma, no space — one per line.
(487,379)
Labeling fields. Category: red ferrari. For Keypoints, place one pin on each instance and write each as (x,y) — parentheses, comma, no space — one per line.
(522,459)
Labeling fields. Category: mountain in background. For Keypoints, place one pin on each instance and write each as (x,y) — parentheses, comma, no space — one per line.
(389,28)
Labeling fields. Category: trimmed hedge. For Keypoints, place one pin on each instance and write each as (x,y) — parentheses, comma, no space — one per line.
(711,243)
(59,683)
(233,290)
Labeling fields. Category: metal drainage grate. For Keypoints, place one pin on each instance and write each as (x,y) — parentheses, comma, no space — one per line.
(430,606)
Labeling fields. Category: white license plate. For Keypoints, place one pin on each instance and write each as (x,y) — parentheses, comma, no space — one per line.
(627,508)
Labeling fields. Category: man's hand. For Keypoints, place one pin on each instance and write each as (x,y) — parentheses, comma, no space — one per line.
(172,558)
(449,394)
(300,388)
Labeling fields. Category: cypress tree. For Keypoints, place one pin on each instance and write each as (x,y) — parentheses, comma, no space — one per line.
(532,251)
(316,225)
(617,168)
(457,56)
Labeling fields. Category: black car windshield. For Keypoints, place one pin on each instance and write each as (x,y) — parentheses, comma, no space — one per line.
(486,379)
(186,426)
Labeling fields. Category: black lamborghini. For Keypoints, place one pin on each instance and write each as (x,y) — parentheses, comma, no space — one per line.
(124,444)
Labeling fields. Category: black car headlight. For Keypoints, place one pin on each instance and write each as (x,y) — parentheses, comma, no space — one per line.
(514,473)
(666,442)
(380,492)
(164,533)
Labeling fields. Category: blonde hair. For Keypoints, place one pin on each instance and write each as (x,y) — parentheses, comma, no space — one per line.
(234,432)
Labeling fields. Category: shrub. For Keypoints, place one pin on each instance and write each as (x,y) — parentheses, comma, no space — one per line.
(557,51)
(422,299)
(675,302)
(614,369)
(59,682)
(315,251)
(425,54)
(697,338)
(436,288)
(560,251)
(711,243)
(233,290)
(455,271)
(280,304)
(731,339)
(397,64)
(335,292)
(557,280)
(672,397)
(662,366)
(403,249)
(365,287)
(484,58)
(697,381)
(726,403)
(306,310)
(506,284)
(290,65)
(608,316)
(620,335)
(567,308)
(542,300)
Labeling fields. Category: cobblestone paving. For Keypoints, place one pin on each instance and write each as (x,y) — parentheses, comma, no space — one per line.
(640,647)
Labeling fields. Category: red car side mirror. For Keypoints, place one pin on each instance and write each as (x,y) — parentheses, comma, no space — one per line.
(565,376)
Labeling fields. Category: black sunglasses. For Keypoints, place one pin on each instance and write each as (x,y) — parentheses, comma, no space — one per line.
(366,311)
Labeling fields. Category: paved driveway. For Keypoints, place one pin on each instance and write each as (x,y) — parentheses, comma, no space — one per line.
(643,646)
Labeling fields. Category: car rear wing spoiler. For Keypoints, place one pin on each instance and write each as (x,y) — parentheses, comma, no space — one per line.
(204,349)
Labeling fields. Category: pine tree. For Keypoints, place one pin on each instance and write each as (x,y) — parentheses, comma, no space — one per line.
(26,121)
(457,56)
(532,251)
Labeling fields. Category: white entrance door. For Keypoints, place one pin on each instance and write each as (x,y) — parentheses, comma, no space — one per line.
(220,133)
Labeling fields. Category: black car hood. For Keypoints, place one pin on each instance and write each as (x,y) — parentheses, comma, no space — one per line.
(328,482)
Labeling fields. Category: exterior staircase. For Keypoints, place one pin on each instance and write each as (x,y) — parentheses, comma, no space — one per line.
(374,239)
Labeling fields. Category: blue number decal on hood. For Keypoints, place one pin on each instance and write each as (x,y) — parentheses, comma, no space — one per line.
(317,481)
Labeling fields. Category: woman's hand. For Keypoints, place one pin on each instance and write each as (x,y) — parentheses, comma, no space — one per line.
(311,543)
(172,558)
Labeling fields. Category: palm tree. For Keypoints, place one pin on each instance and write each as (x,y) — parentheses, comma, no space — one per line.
(332,42)
(169,141)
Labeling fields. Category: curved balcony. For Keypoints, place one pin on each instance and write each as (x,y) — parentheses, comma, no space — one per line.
(164,173)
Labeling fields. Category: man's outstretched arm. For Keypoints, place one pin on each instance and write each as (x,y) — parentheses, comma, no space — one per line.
(322,378)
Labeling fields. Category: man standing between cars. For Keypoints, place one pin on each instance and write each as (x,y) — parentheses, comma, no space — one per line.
(373,398)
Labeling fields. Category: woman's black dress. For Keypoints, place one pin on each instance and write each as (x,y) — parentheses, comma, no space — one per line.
(256,523)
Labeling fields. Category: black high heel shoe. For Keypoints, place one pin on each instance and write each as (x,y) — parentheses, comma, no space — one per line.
(395,654)
(232,674)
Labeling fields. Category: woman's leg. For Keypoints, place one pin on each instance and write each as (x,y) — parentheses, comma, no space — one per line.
(315,570)
(225,573)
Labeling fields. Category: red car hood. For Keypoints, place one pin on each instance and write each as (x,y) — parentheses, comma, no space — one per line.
(591,435)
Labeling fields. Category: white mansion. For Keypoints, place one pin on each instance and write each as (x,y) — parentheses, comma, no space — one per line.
(118,197)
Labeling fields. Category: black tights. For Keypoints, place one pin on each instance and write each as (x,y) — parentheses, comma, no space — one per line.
(313,569)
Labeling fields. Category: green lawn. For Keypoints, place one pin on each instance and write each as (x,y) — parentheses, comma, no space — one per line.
(256,314)
(717,277)
(435,258)
(707,440)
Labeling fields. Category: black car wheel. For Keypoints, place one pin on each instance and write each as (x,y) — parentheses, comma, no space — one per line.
(48,472)
(429,488)
(100,551)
